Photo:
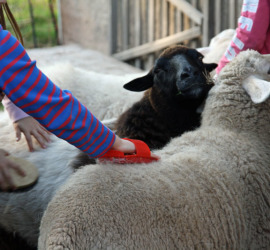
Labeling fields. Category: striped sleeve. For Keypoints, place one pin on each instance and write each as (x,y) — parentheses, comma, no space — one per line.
(57,110)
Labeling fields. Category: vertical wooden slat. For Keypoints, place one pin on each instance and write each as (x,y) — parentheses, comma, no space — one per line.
(193,44)
(137,35)
(144,21)
(186,26)
(177,21)
(157,20)
(150,20)
(164,18)
(171,19)
(217,16)
(150,61)
(232,14)
(113,26)
(119,25)
(205,29)
(125,24)
(131,23)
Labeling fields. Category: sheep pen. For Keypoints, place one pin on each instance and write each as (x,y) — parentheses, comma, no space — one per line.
(209,191)
(21,212)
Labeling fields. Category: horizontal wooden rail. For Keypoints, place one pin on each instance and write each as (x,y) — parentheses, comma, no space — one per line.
(158,44)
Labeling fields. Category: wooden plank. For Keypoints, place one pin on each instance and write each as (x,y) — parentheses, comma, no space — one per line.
(144,21)
(205,23)
(189,10)
(177,21)
(150,20)
(137,23)
(186,26)
(171,20)
(218,15)
(137,35)
(194,43)
(158,44)
(232,14)
(164,18)
(114,25)
(124,24)
(151,27)
(157,20)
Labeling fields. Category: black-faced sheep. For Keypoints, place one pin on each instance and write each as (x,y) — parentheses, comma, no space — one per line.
(210,190)
(176,87)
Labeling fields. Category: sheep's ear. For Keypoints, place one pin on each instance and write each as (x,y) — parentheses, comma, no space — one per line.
(210,66)
(257,89)
(141,83)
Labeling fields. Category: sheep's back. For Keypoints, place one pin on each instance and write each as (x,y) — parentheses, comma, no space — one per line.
(188,200)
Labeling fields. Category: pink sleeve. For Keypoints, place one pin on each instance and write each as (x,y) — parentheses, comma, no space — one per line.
(251,31)
(14,112)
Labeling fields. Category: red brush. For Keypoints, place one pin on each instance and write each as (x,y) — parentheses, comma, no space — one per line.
(142,155)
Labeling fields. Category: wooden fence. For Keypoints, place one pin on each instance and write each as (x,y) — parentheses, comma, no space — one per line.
(142,28)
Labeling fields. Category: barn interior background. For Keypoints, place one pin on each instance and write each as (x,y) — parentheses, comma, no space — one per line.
(136,31)
(133,31)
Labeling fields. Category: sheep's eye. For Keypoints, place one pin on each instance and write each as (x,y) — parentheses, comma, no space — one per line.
(200,58)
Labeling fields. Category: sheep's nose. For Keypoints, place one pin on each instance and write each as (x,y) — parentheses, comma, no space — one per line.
(189,73)
(185,75)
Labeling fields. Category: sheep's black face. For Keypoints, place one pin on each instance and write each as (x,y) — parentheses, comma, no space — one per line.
(178,72)
(183,74)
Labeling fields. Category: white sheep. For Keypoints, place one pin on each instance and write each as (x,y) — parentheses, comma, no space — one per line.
(210,190)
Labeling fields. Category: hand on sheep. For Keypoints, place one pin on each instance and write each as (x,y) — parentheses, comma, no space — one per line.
(5,165)
(127,147)
(30,127)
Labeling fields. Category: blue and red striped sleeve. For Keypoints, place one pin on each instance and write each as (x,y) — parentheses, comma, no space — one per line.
(57,110)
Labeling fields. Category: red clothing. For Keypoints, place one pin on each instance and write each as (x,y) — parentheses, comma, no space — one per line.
(253,31)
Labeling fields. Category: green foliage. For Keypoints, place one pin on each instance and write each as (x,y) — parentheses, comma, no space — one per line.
(45,33)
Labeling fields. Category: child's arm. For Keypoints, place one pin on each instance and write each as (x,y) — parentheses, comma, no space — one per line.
(251,32)
(56,110)
(14,112)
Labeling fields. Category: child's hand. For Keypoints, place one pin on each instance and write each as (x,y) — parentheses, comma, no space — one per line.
(127,147)
(5,165)
(30,127)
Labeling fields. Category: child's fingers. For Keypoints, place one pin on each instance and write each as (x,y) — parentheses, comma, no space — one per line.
(155,156)
(18,134)
(45,134)
(29,141)
(40,139)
